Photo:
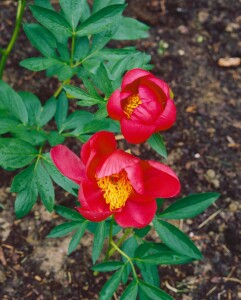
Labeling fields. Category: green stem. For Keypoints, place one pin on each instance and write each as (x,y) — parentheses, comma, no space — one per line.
(110,239)
(121,240)
(59,90)
(127,257)
(19,17)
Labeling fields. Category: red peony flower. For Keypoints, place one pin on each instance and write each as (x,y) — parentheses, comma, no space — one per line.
(113,182)
(143,106)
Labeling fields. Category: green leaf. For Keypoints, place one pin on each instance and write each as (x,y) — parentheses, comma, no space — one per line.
(55,138)
(51,20)
(33,106)
(100,21)
(101,39)
(77,120)
(72,11)
(63,229)
(99,4)
(21,180)
(149,272)
(102,81)
(189,207)
(99,238)
(110,286)
(68,213)
(57,177)
(31,136)
(38,63)
(131,29)
(47,112)
(143,231)
(81,94)
(63,52)
(86,11)
(105,124)
(7,124)
(108,266)
(153,292)
(126,272)
(157,143)
(41,39)
(64,72)
(130,292)
(81,48)
(61,110)
(25,200)
(11,101)
(45,187)
(44,3)
(15,153)
(176,239)
(25,184)
(77,237)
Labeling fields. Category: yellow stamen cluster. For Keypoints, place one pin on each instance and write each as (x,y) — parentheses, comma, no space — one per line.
(130,104)
(116,188)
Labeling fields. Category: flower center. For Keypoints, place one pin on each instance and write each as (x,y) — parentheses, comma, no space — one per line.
(130,104)
(116,188)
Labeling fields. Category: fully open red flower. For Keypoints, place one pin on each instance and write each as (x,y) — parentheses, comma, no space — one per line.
(143,106)
(113,182)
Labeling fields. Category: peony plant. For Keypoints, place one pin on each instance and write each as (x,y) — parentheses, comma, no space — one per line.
(121,198)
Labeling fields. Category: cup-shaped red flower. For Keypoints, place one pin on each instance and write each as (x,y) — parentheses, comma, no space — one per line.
(143,106)
(113,182)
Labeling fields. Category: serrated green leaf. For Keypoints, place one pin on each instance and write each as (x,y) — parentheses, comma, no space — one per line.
(12,102)
(153,292)
(51,20)
(130,292)
(61,110)
(41,39)
(63,229)
(99,238)
(72,11)
(110,286)
(57,177)
(15,153)
(48,111)
(108,266)
(45,187)
(77,237)
(157,143)
(33,106)
(176,239)
(131,29)
(68,213)
(100,21)
(38,63)
(189,207)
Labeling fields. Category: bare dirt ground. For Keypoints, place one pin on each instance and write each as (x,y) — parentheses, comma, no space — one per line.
(187,39)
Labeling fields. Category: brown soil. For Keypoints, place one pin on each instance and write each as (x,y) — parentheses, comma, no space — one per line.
(203,146)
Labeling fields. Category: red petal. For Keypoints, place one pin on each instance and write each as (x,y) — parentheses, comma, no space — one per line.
(101,143)
(91,196)
(93,215)
(114,106)
(116,162)
(135,132)
(133,75)
(68,163)
(135,175)
(160,83)
(168,116)
(136,214)
(160,180)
